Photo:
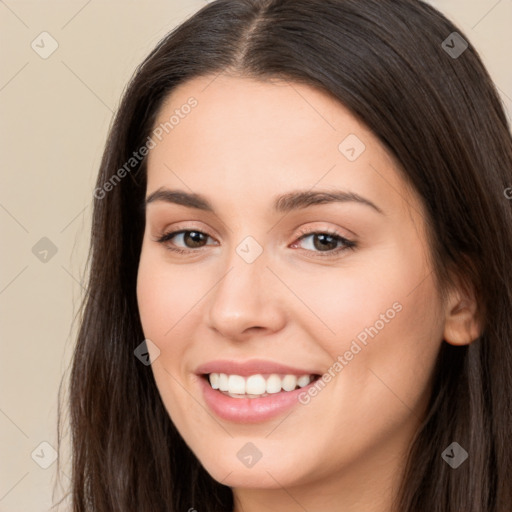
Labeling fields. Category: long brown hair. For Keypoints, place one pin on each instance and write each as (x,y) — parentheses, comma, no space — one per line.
(441,117)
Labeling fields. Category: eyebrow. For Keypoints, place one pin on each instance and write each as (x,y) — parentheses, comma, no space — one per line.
(282,204)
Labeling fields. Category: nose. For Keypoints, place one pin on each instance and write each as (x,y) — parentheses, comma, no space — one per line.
(247,299)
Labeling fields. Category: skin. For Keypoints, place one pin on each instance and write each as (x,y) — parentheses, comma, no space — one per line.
(244,143)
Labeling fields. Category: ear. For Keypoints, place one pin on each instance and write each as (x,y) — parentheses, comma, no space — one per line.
(461,321)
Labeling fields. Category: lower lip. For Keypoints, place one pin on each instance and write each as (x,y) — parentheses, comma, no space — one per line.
(250,410)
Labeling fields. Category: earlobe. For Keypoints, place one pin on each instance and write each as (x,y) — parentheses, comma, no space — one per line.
(462,326)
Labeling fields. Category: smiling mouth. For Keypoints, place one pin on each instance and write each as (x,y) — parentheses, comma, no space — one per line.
(257,385)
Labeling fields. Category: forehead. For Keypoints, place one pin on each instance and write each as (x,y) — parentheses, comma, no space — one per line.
(265,137)
(236,108)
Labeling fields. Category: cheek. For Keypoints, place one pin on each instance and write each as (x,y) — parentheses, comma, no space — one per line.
(348,303)
(165,294)
(393,334)
(383,317)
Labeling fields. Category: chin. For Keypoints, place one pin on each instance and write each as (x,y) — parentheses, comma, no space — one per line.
(269,474)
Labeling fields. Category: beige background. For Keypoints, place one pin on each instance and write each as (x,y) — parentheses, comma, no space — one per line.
(55,114)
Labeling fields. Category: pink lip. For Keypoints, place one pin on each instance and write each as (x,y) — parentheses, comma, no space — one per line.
(251,367)
(250,410)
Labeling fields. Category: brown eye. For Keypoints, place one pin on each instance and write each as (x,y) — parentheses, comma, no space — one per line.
(324,243)
(194,239)
(187,239)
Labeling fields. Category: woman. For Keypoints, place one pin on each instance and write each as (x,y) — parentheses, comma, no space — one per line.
(300,288)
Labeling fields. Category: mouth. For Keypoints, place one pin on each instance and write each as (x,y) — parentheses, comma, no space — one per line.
(258,385)
(255,390)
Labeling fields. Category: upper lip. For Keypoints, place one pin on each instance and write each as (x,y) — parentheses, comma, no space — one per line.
(251,367)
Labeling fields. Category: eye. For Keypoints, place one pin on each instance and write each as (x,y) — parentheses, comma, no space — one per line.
(322,243)
(326,243)
(192,239)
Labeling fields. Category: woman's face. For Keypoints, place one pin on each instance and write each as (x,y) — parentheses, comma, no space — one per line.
(284,173)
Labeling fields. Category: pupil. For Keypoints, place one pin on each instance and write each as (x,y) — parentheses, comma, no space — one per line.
(195,237)
(325,240)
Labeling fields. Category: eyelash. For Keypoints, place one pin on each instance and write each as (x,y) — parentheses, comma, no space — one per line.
(347,244)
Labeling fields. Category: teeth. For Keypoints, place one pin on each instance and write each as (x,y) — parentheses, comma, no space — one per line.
(256,385)
(236,384)
(223,382)
(303,381)
(290,382)
(214,380)
(274,384)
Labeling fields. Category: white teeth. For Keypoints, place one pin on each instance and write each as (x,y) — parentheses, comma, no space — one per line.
(236,384)
(274,384)
(303,380)
(290,382)
(223,382)
(256,385)
(214,380)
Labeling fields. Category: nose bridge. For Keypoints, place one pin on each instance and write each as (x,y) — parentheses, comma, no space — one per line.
(245,296)
(242,285)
